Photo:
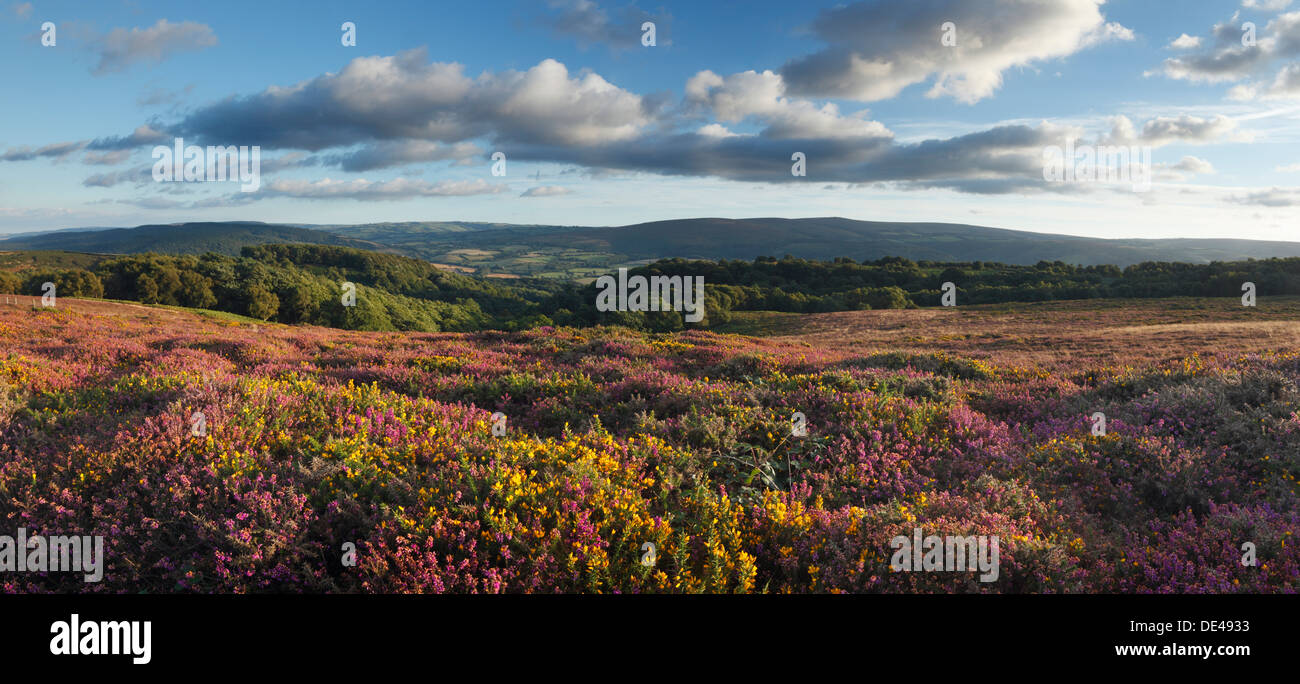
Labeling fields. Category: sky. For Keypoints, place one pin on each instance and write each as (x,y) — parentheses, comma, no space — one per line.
(901,110)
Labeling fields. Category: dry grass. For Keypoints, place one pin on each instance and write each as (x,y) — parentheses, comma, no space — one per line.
(1053,334)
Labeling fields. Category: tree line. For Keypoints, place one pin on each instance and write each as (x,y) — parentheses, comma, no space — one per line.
(303,283)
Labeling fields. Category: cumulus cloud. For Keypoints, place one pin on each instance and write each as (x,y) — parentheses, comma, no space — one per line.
(1185,42)
(1233,58)
(1165,130)
(403,97)
(1192,164)
(1187,166)
(874,50)
(120,48)
(761,97)
(385,112)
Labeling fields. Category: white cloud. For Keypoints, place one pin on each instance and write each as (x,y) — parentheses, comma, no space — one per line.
(877,49)
(762,96)
(1270,5)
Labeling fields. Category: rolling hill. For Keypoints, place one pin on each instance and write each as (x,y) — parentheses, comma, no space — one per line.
(828,238)
(180,238)
(576,252)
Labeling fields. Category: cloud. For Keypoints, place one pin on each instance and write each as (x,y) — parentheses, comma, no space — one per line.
(1164,130)
(57,151)
(1230,59)
(402,97)
(546,191)
(1269,5)
(391,153)
(159,96)
(1002,159)
(874,50)
(1187,166)
(1192,164)
(385,112)
(1285,85)
(761,97)
(1185,42)
(591,24)
(108,158)
(120,48)
(1274,197)
(141,136)
(138,175)
(361,189)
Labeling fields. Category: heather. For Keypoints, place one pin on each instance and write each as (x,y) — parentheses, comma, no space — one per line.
(316,438)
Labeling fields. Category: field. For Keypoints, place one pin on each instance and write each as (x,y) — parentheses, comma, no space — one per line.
(973,420)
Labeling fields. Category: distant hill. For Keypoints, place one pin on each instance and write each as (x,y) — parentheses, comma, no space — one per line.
(828,238)
(575,252)
(180,238)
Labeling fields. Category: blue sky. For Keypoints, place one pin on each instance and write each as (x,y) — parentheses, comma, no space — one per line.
(599,129)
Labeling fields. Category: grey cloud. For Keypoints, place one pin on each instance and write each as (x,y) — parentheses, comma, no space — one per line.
(120,48)
(142,135)
(391,153)
(52,151)
(591,24)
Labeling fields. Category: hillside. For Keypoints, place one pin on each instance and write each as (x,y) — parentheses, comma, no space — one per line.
(583,252)
(828,238)
(179,238)
(234,457)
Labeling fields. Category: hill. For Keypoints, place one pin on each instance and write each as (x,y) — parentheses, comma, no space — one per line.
(235,457)
(584,252)
(179,238)
(828,238)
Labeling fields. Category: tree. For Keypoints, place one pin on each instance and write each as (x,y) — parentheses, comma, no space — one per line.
(262,303)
